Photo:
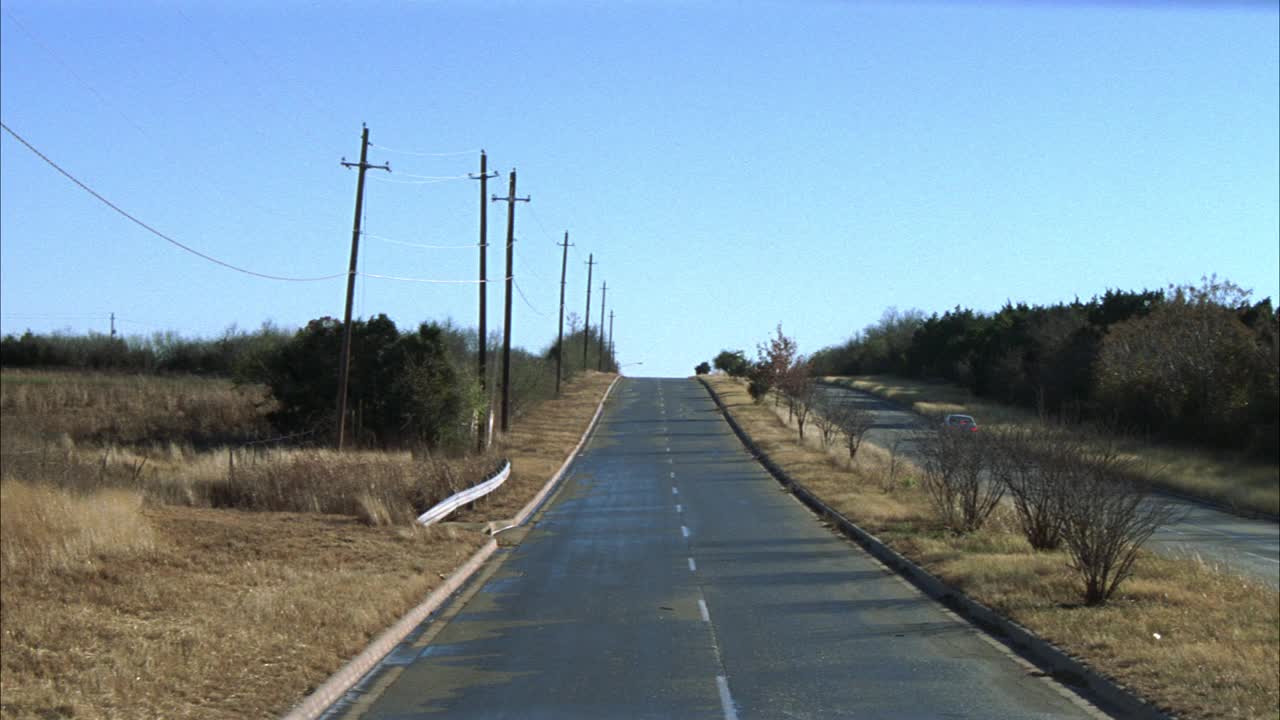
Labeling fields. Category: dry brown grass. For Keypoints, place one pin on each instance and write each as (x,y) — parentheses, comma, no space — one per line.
(538,445)
(129,409)
(1218,654)
(225,614)
(1229,479)
(118,602)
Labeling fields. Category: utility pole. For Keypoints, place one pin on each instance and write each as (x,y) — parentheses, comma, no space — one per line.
(511,201)
(604,295)
(586,319)
(344,361)
(611,357)
(564,265)
(483,177)
(113,326)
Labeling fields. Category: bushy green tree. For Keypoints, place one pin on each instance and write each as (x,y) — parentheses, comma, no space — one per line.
(732,362)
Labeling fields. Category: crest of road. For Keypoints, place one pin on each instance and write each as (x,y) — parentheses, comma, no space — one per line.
(671,577)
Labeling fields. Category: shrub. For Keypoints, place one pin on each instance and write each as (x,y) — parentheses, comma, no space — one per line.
(1107,517)
(953,467)
(734,363)
(702,368)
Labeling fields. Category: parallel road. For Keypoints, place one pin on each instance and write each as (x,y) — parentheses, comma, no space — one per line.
(1243,545)
(670,577)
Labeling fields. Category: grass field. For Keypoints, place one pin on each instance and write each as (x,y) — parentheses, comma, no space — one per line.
(1217,654)
(1233,481)
(125,593)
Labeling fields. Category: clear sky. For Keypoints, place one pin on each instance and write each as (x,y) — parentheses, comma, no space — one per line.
(730,165)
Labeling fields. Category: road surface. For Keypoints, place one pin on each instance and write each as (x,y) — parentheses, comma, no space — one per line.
(671,577)
(1247,546)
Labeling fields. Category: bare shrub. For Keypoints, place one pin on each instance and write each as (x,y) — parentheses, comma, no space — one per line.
(953,479)
(1036,470)
(1107,517)
(825,417)
(889,481)
(854,423)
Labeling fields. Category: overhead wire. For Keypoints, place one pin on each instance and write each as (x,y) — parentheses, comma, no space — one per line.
(393,241)
(426,154)
(71,71)
(394,181)
(433,177)
(422,280)
(520,291)
(154,231)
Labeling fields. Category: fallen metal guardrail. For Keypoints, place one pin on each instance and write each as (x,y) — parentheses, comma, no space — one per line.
(471,494)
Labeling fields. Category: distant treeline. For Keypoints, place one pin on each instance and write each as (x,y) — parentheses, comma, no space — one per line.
(407,388)
(1195,364)
(165,352)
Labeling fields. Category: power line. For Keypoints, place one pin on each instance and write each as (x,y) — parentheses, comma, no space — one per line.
(421,280)
(425,154)
(434,177)
(534,273)
(152,230)
(472,246)
(520,292)
(393,181)
(71,71)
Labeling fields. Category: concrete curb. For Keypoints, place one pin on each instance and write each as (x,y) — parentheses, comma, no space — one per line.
(340,682)
(531,506)
(315,704)
(1110,695)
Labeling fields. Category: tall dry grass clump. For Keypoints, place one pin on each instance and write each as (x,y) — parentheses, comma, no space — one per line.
(46,528)
(378,488)
(115,408)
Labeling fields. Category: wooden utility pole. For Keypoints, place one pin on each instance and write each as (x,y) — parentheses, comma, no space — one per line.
(344,361)
(113,326)
(586,319)
(604,295)
(564,265)
(611,357)
(511,201)
(483,352)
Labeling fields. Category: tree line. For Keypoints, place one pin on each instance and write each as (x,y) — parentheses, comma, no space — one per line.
(1194,364)
(407,388)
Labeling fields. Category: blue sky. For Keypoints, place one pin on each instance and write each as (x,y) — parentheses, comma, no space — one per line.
(730,165)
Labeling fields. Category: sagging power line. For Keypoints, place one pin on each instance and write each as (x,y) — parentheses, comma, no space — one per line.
(151,229)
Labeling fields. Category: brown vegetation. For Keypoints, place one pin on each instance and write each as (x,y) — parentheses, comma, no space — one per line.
(125,593)
(1194,640)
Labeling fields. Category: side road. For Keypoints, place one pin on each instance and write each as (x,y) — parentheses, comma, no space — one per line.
(1194,641)
(1245,545)
(669,577)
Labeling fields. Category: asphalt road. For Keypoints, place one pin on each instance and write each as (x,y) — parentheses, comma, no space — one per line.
(1243,545)
(671,577)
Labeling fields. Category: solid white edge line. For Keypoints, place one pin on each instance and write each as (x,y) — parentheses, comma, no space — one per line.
(726,699)
(703,611)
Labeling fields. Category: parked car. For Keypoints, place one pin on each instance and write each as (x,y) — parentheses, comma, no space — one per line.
(961,422)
